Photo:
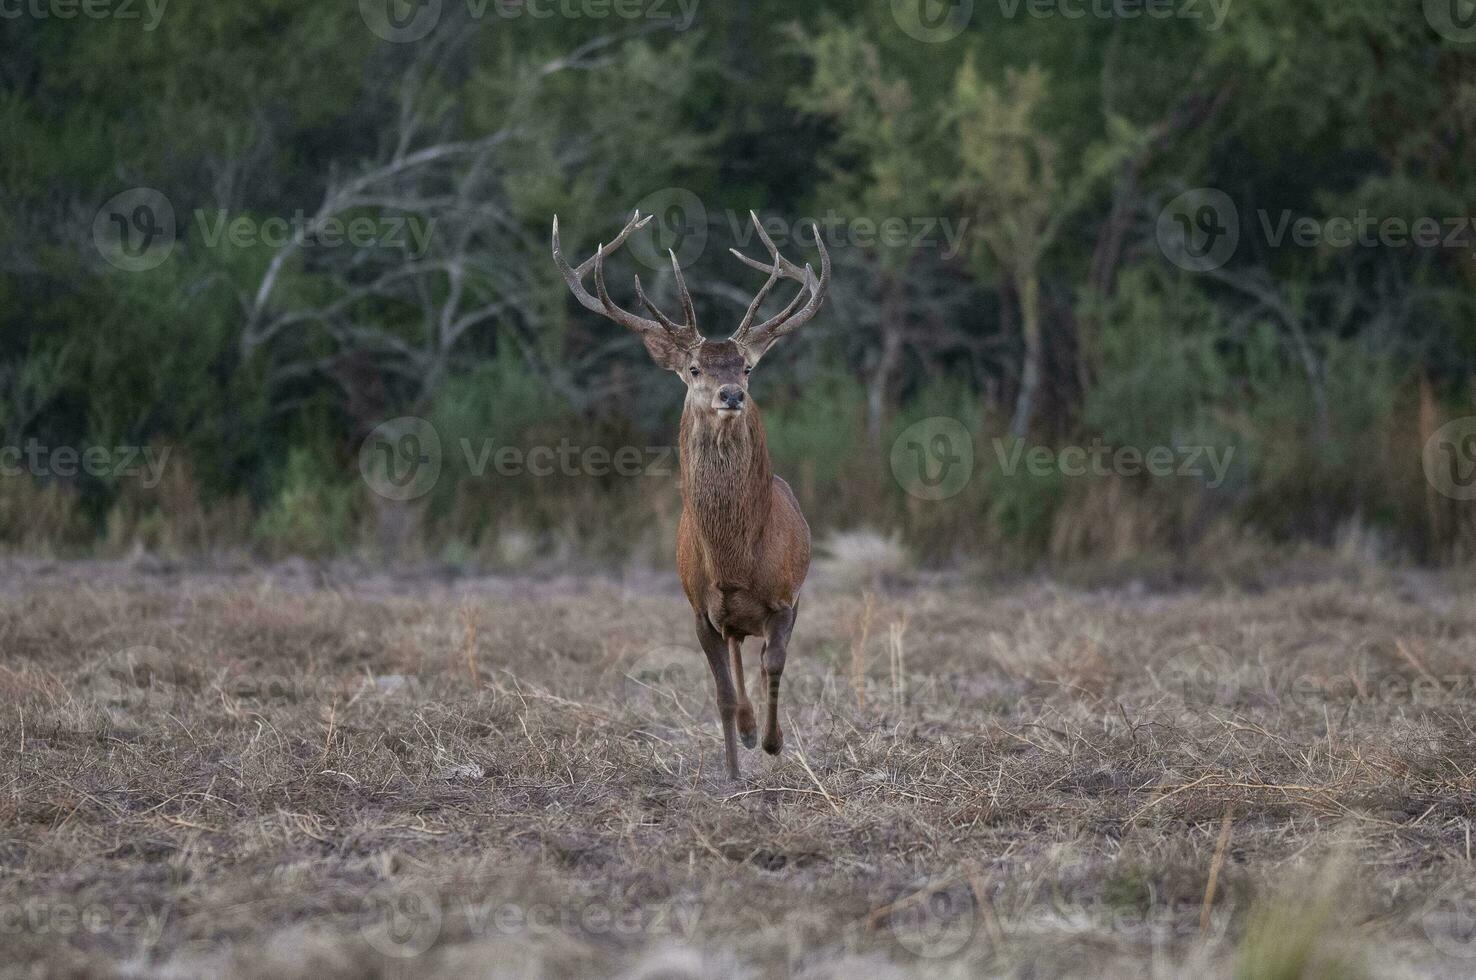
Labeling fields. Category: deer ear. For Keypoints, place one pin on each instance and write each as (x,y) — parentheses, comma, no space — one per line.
(665,351)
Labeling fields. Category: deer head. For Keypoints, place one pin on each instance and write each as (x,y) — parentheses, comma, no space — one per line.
(716,372)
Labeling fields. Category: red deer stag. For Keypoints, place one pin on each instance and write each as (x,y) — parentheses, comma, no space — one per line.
(743,547)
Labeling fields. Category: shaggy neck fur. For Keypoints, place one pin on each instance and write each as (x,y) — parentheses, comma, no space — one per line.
(726,483)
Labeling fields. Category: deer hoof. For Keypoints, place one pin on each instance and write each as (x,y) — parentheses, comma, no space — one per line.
(747,728)
(773,742)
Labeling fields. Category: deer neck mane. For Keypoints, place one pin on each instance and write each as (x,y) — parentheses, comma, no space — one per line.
(726,484)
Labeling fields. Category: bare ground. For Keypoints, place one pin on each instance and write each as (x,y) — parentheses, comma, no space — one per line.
(291,772)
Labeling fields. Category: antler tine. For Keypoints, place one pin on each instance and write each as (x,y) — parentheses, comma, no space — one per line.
(626,319)
(799,297)
(791,320)
(741,334)
(601,303)
(575,277)
(666,321)
(793,316)
(607,305)
(791,271)
(687,310)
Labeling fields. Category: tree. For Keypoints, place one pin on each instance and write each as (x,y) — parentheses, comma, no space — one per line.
(884,167)
(1011,180)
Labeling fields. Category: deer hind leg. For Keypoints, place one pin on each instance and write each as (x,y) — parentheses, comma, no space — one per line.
(776,644)
(727,701)
(747,724)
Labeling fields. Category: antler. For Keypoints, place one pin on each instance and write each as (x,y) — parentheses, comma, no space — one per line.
(685,335)
(792,317)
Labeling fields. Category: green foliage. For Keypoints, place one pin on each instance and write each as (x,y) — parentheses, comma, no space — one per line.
(1299,936)
(1051,144)
(312,512)
(498,401)
(1164,379)
(1023,501)
(818,432)
(496,405)
(880,164)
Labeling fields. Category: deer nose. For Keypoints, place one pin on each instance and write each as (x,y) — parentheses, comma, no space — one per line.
(731,396)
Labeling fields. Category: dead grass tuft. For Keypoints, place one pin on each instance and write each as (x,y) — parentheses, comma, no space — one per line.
(281,773)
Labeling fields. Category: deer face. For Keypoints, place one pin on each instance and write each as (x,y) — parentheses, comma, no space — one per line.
(717,379)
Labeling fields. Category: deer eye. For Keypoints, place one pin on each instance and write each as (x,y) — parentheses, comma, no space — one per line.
(695,372)
(747,371)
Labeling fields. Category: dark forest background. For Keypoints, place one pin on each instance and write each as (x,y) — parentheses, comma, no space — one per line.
(1119,229)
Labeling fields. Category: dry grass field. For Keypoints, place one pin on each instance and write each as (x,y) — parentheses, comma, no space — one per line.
(295,772)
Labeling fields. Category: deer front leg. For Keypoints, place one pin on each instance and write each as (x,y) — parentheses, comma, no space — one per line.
(776,644)
(747,725)
(727,702)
